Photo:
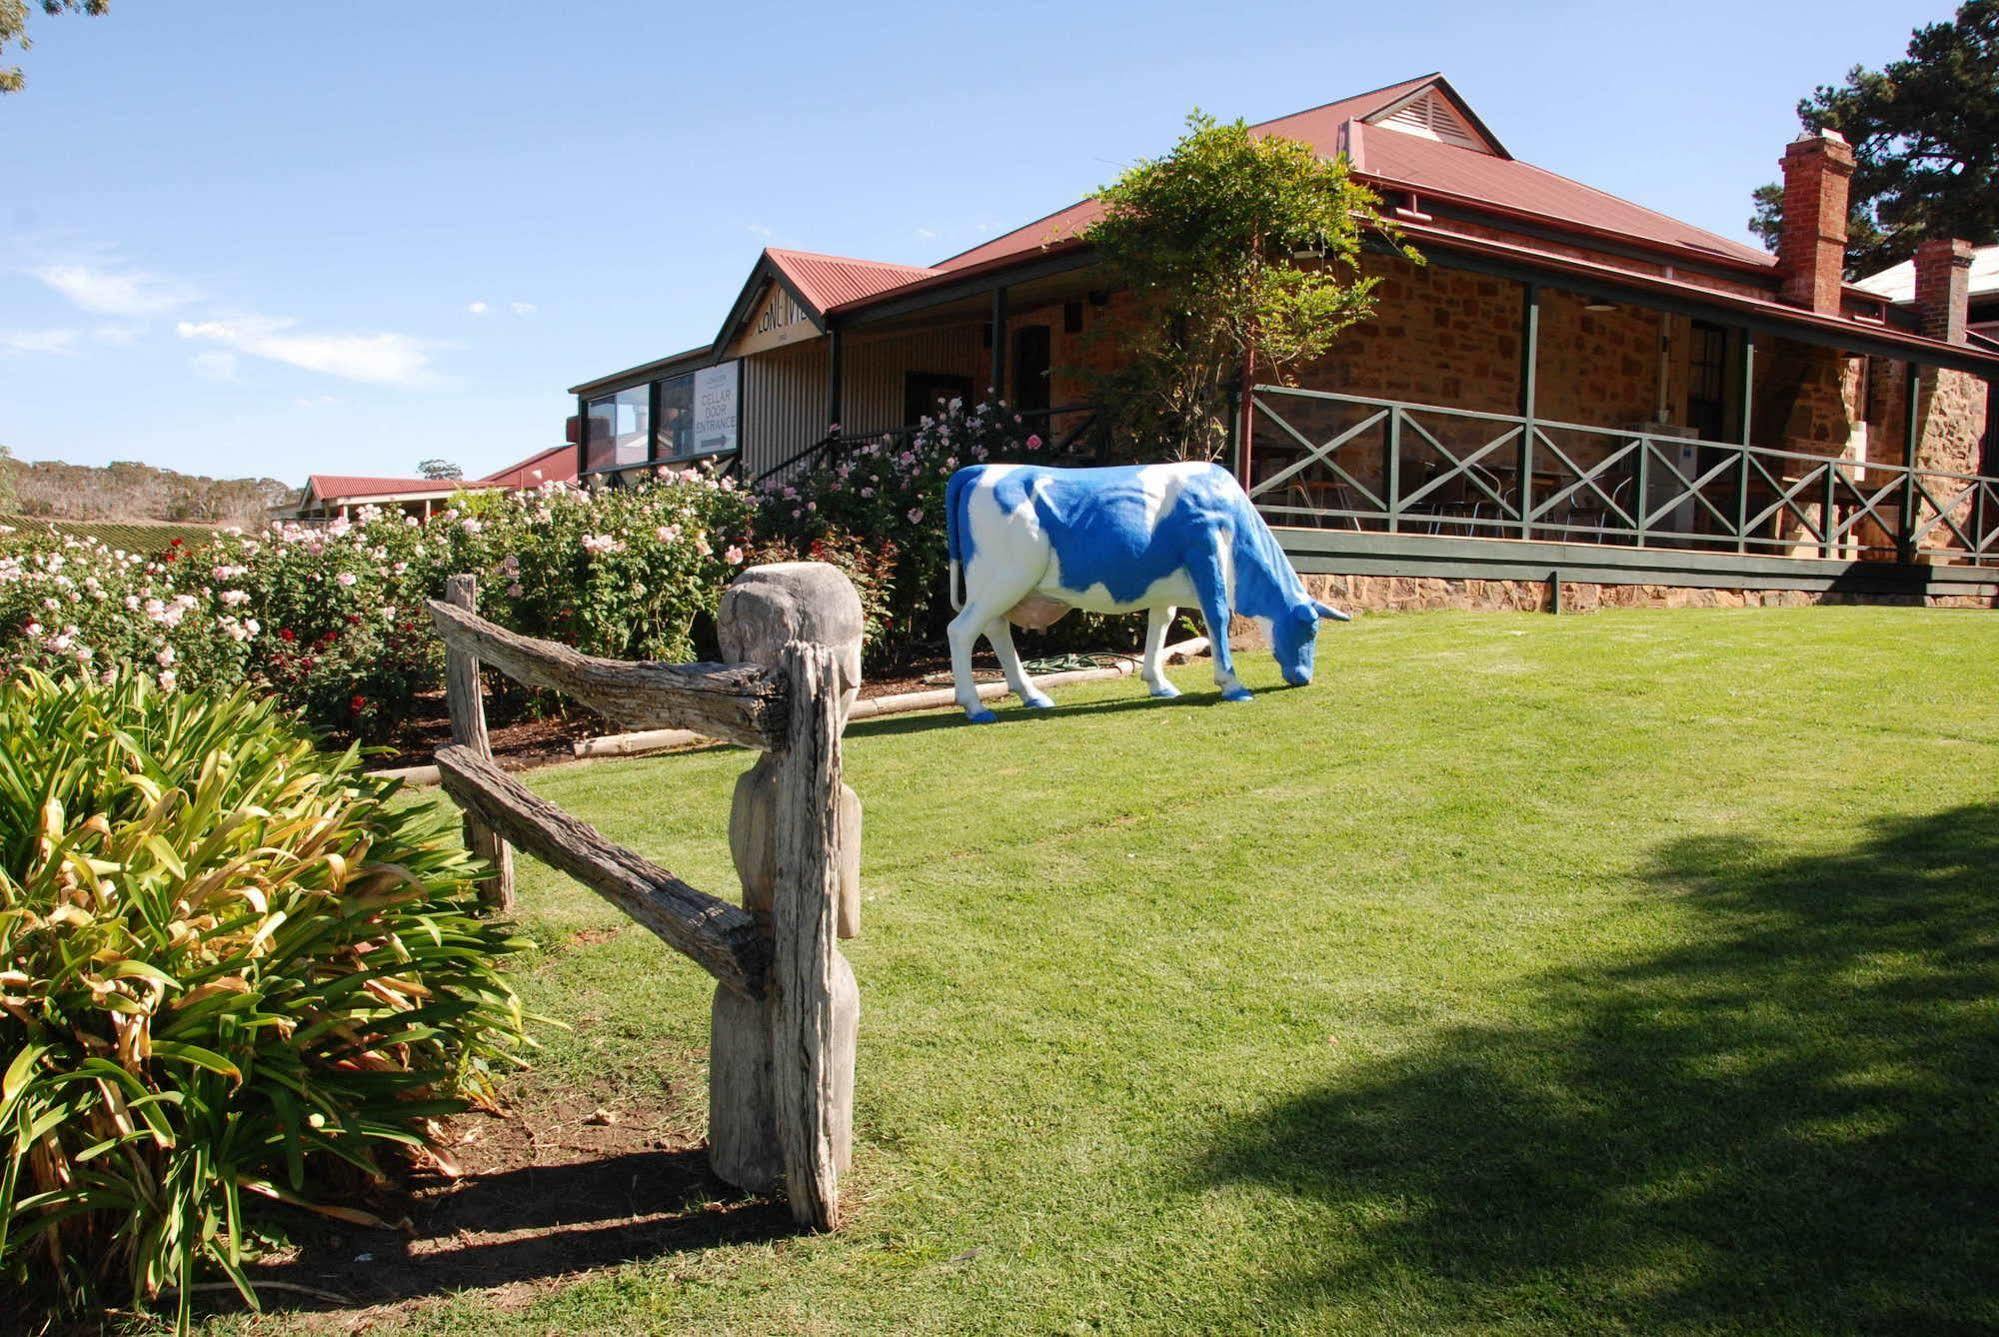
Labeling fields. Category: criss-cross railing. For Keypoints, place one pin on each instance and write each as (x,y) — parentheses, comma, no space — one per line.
(1350,461)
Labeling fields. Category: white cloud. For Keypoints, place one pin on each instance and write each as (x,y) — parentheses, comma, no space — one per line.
(523,308)
(380,359)
(116,292)
(38,341)
(214,366)
(315,401)
(925,234)
(476,308)
(118,336)
(759,230)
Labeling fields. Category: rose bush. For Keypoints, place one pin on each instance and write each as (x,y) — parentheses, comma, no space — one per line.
(331,618)
(890,493)
(887,497)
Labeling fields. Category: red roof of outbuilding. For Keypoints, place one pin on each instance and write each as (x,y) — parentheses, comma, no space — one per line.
(826,281)
(327,486)
(557,464)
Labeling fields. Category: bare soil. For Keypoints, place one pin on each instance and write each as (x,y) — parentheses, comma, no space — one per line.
(558,1183)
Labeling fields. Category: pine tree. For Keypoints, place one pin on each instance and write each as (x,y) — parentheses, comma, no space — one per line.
(1925,136)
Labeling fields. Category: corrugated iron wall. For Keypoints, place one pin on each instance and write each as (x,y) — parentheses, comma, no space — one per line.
(784,390)
(871,389)
(784,404)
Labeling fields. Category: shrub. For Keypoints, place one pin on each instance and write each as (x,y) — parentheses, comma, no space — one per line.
(627,572)
(331,617)
(890,493)
(77,603)
(230,968)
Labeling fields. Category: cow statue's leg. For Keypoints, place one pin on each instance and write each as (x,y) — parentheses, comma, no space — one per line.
(1000,632)
(985,604)
(1209,577)
(1158,621)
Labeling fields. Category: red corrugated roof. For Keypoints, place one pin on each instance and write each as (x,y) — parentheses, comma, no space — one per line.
(1443,238)
(1406,160)
(1427,166)
(1320,123)
(557,464)
(328,486)
(826,281)
(1062,225)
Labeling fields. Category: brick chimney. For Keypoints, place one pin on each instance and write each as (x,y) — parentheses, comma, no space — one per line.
(1943,288)
(1811,253)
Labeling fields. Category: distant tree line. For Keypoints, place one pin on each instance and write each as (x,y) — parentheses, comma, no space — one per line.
(126,490)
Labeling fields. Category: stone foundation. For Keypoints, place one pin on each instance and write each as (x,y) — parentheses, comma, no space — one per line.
(1406,594)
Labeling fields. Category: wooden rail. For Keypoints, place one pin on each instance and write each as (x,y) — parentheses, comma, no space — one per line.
(1380,465)
(741,703)
(786,1009)
(723,939)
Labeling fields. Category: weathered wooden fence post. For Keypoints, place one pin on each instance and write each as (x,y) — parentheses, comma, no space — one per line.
(468,729)
(781,1069)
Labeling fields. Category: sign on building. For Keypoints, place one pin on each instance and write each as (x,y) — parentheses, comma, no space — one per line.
(716,392)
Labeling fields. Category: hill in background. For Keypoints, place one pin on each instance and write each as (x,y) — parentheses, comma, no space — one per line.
(128,491)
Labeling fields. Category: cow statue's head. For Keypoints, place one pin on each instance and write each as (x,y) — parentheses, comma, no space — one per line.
(1294,638)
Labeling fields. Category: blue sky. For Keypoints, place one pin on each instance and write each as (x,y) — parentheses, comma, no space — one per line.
(247,238)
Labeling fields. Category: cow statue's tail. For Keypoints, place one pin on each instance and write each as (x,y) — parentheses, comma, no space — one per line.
(956,494)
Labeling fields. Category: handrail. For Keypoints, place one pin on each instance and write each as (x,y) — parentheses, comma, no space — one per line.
(1835,504)
(738,702)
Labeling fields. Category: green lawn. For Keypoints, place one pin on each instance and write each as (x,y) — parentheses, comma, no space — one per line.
(1630,972)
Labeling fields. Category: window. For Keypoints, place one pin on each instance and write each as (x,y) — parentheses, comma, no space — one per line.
(675,434)
(617,429)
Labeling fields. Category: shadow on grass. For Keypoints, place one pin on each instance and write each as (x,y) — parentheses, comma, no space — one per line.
(1011,713)
(524,1225)
(1793,1123)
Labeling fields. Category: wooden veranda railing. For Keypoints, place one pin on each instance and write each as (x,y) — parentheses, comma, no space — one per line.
(1351,461)
(785,1007)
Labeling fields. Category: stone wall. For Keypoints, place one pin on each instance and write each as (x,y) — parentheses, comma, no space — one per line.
(1409,594)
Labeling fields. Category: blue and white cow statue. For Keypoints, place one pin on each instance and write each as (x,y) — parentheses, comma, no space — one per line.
(1027,544)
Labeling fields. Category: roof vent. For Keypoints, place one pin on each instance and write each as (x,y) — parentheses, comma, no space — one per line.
(1433,117)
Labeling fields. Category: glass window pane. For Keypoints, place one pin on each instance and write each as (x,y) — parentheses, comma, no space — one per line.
(633,432)
(676,417)
(599,428)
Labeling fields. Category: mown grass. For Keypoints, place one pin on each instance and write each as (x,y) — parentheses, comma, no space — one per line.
(1632,972)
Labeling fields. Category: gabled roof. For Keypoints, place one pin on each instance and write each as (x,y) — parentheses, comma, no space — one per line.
(1897,283)
(328,487)
(1388,157)
(1382,155)
(557,464)
(826,281)
(1318,127)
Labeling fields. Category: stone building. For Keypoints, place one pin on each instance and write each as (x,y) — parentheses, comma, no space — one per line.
(1573,396)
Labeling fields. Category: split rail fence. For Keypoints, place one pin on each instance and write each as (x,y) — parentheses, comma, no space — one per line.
(786,1006)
